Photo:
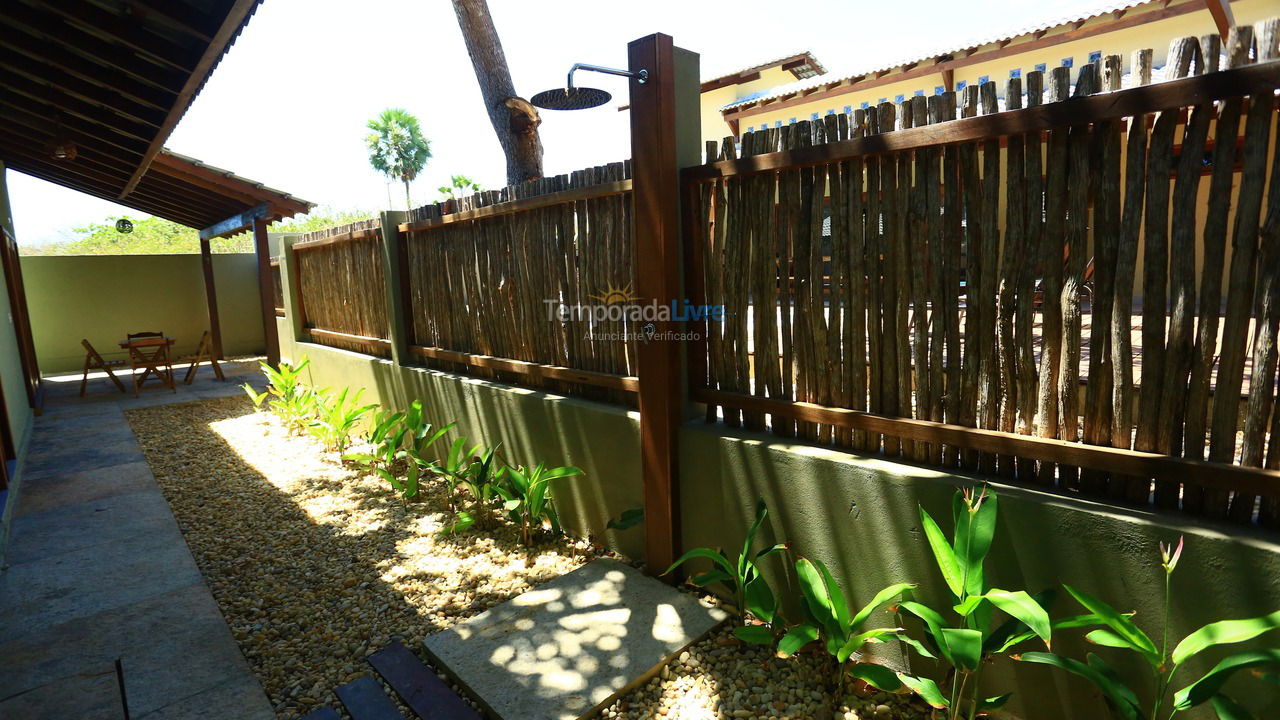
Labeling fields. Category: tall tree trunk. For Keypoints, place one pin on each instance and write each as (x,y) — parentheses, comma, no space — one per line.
(408,204)
(514,119)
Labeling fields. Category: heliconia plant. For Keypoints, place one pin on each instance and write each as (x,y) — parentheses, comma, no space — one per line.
(967,644)
(1119,631)
(829,621)
(753,596)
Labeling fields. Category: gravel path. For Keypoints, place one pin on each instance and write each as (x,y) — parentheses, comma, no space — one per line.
(315,566)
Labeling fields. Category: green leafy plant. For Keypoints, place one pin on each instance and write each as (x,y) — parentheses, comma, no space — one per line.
(969,643)
(336,418)
(1119,631)
(475,472)
(527,499)
(256,397)
(751,592)
(829,621)
(292,400)
(398,446)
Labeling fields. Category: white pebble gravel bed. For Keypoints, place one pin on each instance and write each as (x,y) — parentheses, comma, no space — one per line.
(316,565)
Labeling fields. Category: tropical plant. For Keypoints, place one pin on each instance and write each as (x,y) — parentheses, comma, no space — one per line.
(293,400)
(336,418)
(475,472)
(459,186)
(751,592)
(256,397)
(397,147)
(969,643)
(828,619)
(527,499)
(400,441)
(1119,631)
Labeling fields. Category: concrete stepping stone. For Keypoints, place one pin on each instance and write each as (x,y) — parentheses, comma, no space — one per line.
(573,645)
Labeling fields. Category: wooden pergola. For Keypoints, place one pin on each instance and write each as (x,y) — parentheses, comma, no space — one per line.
(91,89)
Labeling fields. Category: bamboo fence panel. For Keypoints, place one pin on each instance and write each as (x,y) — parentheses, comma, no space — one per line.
(990,283)
(342,281)
(521,285)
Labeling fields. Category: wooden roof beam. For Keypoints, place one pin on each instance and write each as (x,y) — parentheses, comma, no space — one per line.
(54,55)
(235,17)
(202,176)
(175,15)
(52,30)
(235,223)
(18,66)
(1222,17)
(131,34)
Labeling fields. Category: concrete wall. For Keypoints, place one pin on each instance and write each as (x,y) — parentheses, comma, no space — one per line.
(15,390)
(856,513)
(104,297)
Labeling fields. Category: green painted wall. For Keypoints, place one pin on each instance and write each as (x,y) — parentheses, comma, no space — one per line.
(15,391)
(103,297)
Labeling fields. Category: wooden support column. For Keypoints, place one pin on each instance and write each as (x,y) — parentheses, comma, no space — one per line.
(266,290)
(664,138)
(211,298)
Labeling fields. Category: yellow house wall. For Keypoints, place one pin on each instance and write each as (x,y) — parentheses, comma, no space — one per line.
(1155,35)
(713,126)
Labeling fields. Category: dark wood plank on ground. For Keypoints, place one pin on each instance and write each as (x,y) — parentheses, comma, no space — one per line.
(418,687)
(364,700)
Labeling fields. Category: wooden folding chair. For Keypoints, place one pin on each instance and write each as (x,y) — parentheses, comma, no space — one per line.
(204,351)
(150,350)
(94,361)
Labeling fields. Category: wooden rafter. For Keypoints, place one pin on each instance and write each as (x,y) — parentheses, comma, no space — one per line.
(213,51)
(1222,17)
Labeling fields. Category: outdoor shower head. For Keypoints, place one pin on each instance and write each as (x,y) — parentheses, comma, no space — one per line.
(581,98)
(571,98)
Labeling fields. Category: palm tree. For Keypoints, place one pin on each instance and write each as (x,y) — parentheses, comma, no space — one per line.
(397,147)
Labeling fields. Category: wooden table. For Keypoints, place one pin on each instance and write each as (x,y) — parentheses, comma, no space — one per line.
(152,355)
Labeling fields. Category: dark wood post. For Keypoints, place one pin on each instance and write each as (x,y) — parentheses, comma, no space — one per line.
(211,297)
(664,137)
(266,289)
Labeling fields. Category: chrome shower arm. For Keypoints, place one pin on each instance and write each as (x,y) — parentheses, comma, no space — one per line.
(640,75)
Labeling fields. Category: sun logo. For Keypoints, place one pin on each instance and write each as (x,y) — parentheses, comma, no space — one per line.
(613,295)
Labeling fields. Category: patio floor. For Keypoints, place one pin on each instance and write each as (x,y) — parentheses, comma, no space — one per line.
(96,569)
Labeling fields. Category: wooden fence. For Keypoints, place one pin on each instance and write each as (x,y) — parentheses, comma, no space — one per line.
(342,281)
(942,316)
(503,283)
(277,287)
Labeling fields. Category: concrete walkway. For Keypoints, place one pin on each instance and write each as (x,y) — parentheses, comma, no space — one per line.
(96,569)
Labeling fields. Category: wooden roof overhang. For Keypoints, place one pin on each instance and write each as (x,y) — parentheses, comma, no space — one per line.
(114,77)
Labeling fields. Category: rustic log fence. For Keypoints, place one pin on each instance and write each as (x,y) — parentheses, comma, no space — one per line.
(943,281)
(342,282)
(970,304)
(504,284)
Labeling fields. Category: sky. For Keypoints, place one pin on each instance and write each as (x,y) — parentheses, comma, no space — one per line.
(288,104)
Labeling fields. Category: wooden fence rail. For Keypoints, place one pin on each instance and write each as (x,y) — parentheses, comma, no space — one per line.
(507,284)
(342,281)
(959,291)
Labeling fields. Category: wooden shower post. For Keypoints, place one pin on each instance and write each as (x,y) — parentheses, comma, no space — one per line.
(664,138)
